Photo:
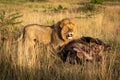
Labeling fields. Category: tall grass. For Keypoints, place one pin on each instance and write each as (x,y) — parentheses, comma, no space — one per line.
(40,64)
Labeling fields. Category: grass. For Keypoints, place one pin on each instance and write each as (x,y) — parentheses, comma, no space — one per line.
(42,65)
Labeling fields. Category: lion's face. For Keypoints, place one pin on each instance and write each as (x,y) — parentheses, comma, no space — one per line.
(68,30)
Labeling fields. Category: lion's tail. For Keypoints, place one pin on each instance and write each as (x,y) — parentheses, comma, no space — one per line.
(19,39)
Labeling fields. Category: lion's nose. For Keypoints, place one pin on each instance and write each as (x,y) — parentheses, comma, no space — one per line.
(70,34)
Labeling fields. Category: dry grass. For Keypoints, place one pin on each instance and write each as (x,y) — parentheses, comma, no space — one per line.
(41,65)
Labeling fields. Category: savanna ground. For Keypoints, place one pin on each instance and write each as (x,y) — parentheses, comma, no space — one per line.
(101,21)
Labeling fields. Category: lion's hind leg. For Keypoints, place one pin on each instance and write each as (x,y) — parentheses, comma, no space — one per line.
(28,48)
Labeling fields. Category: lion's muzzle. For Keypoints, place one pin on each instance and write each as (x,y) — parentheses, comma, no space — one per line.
(70,35)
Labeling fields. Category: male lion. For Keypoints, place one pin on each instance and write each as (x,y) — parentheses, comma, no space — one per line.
(56,35)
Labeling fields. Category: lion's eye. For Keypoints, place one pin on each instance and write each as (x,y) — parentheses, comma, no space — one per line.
(70,30)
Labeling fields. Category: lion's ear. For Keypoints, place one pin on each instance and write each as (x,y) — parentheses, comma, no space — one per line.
(62,25)
(73,23)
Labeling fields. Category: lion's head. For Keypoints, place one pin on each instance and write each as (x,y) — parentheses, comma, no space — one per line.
(67,29)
